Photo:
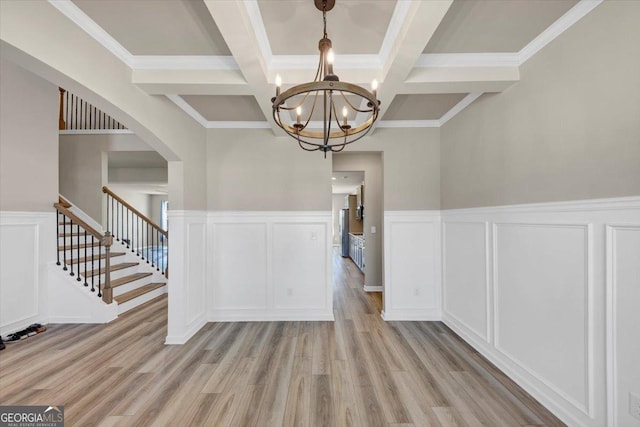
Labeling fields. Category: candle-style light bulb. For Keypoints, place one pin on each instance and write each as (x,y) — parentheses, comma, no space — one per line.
(278,84)
(331,57)
(298,114)
(344,115)
(374,87)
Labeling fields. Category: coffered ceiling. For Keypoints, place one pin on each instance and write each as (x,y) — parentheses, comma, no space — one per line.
(217,59)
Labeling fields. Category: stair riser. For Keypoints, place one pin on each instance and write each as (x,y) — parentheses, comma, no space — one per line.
(124,307)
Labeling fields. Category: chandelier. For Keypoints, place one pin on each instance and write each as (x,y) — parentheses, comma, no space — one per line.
(321,99)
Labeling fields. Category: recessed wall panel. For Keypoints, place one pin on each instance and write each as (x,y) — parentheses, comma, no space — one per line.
(465,274)
(541,297)
(299,265)
(241,266)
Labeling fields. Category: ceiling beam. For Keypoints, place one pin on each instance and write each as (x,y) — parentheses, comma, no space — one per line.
(421,20)
(191,82)
(234,24)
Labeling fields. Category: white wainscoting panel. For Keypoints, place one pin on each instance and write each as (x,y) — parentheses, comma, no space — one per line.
(623,316)
(240,266)
(466,272)
(300,266)
(187,274)
(27,245)
(541,291)
(412,265)
(553,282)
(267,266)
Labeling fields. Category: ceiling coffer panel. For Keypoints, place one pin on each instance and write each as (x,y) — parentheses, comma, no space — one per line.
(226,108)
(158,27)
(472,26)
(354,26)
(422,107)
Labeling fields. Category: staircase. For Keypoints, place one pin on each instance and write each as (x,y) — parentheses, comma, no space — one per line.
(123,266)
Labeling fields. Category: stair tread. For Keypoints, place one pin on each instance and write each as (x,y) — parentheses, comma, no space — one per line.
(114,267)
(96,257)
(128,296)
(81,246)
(128,279)
(70,234)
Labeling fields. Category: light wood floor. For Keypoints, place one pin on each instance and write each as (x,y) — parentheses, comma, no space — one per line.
(357,371)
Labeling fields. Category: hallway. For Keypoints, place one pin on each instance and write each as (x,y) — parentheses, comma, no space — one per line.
(358,370)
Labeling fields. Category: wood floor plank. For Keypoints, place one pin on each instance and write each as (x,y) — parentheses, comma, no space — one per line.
(356,371)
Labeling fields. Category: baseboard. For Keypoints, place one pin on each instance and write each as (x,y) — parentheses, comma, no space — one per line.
(412,315)
(520,378)
(182,339)
(270,315)
(368,288)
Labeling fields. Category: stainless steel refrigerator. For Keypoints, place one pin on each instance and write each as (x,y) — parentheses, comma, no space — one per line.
(344,231)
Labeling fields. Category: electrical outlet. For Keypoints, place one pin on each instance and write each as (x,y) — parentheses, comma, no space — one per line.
(314,235)
(416,292)
(289,292)
(634,405)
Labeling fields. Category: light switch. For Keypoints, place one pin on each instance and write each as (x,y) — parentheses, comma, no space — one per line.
(373,229)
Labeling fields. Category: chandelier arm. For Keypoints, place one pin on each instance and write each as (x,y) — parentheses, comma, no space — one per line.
(339,149)
(305,148)
(335,115)
(325,131)
(315,99)
(352,106)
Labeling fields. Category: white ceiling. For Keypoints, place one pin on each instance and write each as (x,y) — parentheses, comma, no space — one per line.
(217,60)
(346,182)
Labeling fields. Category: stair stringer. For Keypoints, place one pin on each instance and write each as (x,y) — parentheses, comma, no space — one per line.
(69,301)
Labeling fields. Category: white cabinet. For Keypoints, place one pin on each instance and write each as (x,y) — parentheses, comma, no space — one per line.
(356,250)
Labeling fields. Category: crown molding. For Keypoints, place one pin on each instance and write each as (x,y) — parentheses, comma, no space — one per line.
(566,21)
(183,62)
(82,20)
(409,124)
(510,59)
(255,18)
(184,106)
(393,29)
(238,125)
(464,103)
(429,60)
(310,62)
(209,124)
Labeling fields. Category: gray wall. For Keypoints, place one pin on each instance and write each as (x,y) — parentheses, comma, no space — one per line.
(411,163)
(371,164)
(569,130)
(28,141)
(84,167)
(251,170)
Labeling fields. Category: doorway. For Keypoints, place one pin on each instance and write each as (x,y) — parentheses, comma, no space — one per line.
(357,189)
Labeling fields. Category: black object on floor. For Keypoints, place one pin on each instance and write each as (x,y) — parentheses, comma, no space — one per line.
(30,331)
(2,346)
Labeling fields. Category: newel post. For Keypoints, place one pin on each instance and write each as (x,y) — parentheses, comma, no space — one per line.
(61,123)
(107,292)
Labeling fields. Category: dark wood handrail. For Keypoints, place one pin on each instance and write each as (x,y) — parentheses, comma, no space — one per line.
(105,240)
(64,202)
(134,210)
